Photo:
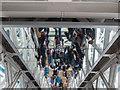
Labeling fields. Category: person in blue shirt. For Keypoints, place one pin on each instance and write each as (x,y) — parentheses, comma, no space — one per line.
(52,81)
(57,81)
(46,71)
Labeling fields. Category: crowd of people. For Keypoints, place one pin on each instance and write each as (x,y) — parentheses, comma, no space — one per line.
(61,57)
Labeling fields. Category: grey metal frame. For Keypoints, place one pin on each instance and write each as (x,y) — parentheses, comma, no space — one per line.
(9,61)
(111,57)
(15,80)
(59,24)
(112,61)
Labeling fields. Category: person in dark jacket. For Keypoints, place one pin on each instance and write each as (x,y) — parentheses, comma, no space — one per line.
(42,38)
(55,73)
(90,35)
(61,85)
(42,52)
(69,33)
(52,81)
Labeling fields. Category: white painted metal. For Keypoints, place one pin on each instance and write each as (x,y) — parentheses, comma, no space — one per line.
(67,0)
(60,9)
(15,80)
(59,24)
(9,60)
(104,80)
(112,75)
(112,60)
(103,69)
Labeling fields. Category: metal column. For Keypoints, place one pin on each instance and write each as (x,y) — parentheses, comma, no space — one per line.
(106,37)
(97,48)
(112,75)
(15,80)
(104,80)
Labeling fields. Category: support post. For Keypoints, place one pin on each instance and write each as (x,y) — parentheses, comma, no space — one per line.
(6,73)
(112,75)
(106,37)
(96,84)
(83,71)
(104,80)
(15,80)
(97,48)
(9,72)
(87,61)
(94,48)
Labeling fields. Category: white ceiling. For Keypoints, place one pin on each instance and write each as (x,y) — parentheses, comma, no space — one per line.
(67,0)
(60,9)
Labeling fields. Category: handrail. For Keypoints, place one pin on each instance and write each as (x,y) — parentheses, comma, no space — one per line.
(112,45)
(18,59)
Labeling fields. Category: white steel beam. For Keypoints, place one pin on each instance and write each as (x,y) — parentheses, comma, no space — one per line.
(15,80)
(112,60)
(58,24)
(59,9)
(87,60)
(112,75)
(106,37)
(6,74)
(97,48)
(96,84)
(104,80)
(24,66)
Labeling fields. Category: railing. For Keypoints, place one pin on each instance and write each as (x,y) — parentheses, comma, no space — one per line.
(26,47)
(93,53)
(22,39)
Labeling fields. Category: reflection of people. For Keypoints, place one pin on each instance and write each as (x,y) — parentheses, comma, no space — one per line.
(63,59)
(42,38)
(56,41)
(46,71)
(52,81)
(57,81)
(43,56)
(61,84)
(55,72)
(90,35)
(39,59)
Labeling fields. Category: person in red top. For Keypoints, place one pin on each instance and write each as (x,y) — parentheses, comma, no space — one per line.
(90,35)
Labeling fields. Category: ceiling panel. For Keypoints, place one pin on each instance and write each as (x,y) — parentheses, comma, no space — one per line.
(60,9)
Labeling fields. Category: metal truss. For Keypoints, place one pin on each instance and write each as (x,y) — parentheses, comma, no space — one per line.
(15,80)
(109,59)
(11,58)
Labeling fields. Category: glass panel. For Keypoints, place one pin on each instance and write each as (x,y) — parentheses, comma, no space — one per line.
(101,83)
(97,55)
(94,83)
(19,83)
(100,37)
(14,72)
(106,74)
(112,33)
(84,65)
(2,76)
(27,43)
(117,77)
(90,54)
